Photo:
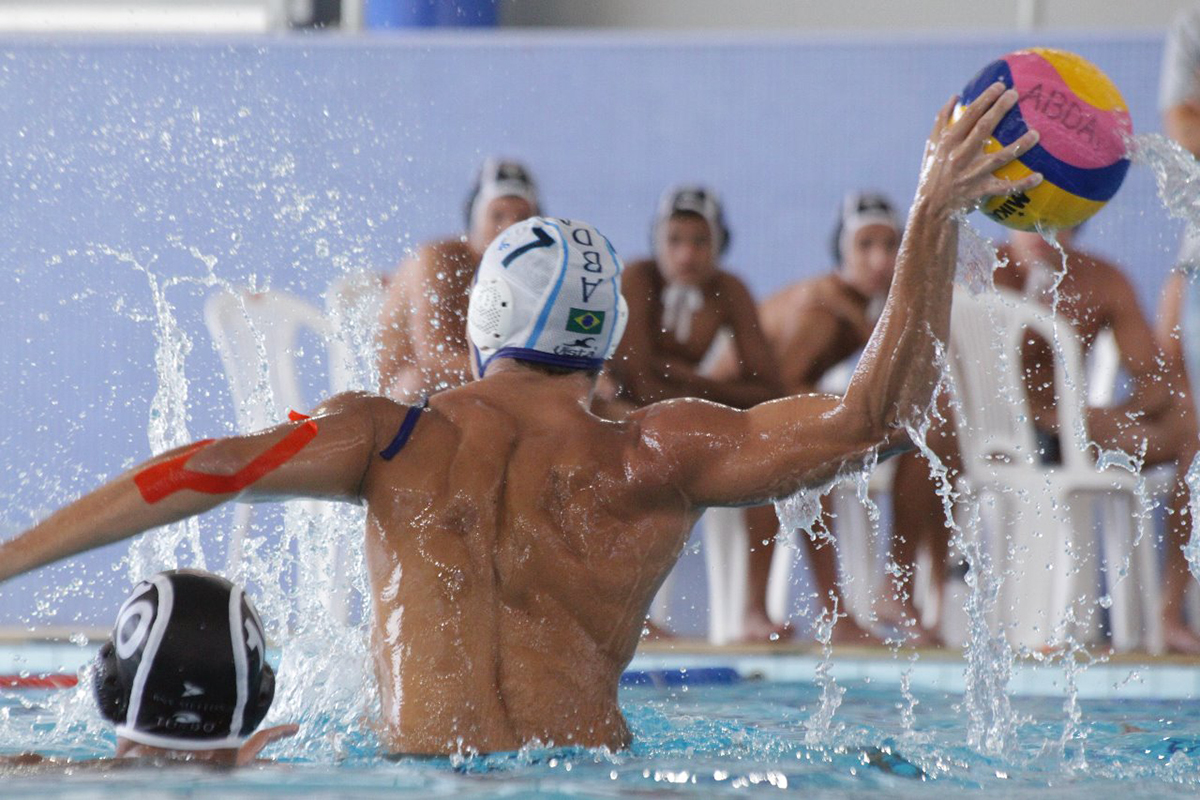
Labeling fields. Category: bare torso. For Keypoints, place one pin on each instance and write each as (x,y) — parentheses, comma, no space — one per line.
(423,340)
(706,322)
(813,326)
(510,575)
(655,363)
(1088,297)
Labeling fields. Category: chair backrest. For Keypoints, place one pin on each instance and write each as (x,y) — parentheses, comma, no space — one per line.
(993,417)
(255,334)
(1103,370)
(353,304)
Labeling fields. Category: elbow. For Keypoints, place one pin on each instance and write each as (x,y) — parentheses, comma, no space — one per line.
(867,424)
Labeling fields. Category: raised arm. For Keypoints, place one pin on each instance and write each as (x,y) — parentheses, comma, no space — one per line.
(324,456)
(718,456)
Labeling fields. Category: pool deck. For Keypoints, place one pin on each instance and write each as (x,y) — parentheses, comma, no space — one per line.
(1118,676)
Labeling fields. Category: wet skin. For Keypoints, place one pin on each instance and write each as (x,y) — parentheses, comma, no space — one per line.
(516,542)
(423,322)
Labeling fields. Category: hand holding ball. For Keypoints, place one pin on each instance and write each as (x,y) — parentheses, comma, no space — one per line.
(1083,124)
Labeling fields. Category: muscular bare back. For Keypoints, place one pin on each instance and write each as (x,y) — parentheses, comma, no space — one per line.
(506,528)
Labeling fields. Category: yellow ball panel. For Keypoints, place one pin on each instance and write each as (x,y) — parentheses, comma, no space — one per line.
(1045,204)
(1084,79)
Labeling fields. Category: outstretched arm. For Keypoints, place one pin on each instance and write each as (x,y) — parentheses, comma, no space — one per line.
(726,457)
(326,456)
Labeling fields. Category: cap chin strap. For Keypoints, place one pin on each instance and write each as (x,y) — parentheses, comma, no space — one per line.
(178,742)
(680,303)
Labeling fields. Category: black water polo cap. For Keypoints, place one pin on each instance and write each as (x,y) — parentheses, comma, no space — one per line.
(186,666)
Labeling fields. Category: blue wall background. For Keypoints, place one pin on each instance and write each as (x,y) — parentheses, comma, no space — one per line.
(288,162)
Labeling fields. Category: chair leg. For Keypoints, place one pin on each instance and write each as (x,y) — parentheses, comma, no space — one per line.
(779,585)
(856,563)
(726,556)
(1120,572)
(1145,555)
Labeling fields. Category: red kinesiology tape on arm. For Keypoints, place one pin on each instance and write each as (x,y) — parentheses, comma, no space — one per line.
(168,477)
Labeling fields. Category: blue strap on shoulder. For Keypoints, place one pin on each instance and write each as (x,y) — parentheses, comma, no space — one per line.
(406,429)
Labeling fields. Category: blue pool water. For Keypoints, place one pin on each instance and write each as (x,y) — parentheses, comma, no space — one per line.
(694,741)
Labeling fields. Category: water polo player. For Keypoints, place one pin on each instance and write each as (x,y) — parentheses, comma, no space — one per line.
(185,674)
(422,341)
(514,540)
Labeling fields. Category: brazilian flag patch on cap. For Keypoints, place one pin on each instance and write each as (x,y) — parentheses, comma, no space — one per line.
(580,320)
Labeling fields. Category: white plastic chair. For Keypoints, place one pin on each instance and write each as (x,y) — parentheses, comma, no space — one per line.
(255,334)
(726,548)
(1038,519)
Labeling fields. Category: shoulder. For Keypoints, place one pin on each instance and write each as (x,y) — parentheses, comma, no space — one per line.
(642,270)
(728,283)
(452,255)
(796,295)
(661,427)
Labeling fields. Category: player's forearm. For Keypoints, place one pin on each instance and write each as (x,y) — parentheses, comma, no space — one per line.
(1151,396)
(895,378)
(113,512)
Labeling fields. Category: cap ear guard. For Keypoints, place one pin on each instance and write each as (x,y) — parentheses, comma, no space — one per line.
(835,243)
(257,708)
(618,327)
(490,314)
(106,685)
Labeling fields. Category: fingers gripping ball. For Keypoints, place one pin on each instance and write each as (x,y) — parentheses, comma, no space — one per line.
(1084,126)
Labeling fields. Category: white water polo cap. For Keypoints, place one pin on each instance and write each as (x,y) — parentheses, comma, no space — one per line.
(548,290)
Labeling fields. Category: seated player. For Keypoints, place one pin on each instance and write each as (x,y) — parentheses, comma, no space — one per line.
(812,326)
(1155,421)
(184,676)
(679,301)
(422,327)
(681,305)
(514,540)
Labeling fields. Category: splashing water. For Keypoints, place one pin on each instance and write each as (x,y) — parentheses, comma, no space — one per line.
(1177,178)
(820,728)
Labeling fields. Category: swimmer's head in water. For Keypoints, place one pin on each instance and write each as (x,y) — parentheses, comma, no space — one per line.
(504,193)
(186,666)
(548,290)
(689,234)
(866,240)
